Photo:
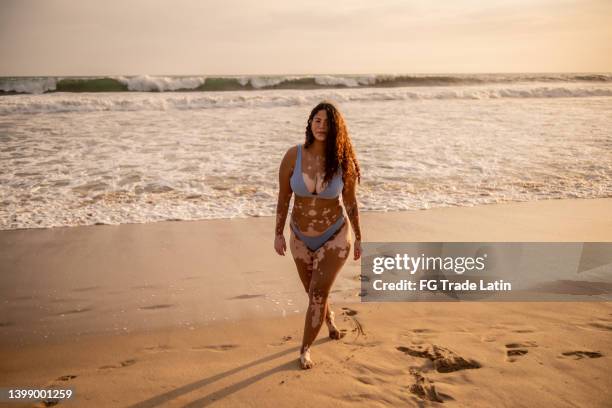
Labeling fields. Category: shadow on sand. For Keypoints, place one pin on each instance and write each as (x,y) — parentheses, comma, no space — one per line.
(230,389)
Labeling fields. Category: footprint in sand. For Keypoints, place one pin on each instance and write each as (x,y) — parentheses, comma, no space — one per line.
(50,402)
(158,349)
(348,312)
(517,352)
(579,355)
(518,349)
(423,387)
(124,363)
(216,347)
(75,311)
(422,330)
(523,344)
(443,359)
(61,379)
(284,341)
(153,307)
(246,296)
(66,377)
(416,351)
(601,326)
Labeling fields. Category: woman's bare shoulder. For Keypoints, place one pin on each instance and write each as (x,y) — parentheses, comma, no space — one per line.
(292,151)
(290,155)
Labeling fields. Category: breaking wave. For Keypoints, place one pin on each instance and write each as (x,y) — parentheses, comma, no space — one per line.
(149,83)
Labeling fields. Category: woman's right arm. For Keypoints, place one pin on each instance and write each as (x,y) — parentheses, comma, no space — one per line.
(284,197)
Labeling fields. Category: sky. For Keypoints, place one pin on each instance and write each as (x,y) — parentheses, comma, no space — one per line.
(276,37)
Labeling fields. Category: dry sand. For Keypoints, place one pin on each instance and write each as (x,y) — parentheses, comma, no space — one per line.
(189,314)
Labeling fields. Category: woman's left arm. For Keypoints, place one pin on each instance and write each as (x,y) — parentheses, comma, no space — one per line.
(349,198)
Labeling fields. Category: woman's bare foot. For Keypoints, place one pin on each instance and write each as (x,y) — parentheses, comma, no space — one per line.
(334,333)
(305,361)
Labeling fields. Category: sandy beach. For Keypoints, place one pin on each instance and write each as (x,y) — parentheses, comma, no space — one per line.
(198,313)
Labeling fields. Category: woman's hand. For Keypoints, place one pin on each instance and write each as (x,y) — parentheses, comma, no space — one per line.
(357,249)
(279,244)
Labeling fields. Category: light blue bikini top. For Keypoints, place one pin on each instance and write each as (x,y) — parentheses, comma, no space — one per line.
(333,189)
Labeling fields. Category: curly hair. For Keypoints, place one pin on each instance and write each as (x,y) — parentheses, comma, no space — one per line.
(339,152)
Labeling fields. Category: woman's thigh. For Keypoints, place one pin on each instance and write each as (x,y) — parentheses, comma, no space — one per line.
(303,259)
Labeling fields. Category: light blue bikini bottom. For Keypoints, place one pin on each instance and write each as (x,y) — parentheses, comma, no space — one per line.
(314,243)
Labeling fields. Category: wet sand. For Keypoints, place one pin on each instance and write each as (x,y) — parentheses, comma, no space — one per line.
(186,314)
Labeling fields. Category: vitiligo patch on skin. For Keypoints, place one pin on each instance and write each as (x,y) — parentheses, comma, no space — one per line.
(316,213)
(305,360)
(299,250)
(337,246)
(311,230)
(314,173)
(317,306)
(330,320)
(312,182)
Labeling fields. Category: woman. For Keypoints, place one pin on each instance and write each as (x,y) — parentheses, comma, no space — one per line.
(317,172)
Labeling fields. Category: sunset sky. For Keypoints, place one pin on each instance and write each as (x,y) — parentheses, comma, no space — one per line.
(232,37)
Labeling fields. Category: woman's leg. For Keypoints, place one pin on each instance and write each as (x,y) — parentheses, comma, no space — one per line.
(304,259)
(327,262)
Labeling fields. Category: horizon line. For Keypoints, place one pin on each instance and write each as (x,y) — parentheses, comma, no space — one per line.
(310,74)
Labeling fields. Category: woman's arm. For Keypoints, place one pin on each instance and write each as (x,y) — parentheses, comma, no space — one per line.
(349,198)
(284,198)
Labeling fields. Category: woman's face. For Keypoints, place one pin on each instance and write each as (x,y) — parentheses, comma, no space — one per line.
(319,125)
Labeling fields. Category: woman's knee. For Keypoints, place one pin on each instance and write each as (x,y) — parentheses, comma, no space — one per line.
(317,295)
(316,302)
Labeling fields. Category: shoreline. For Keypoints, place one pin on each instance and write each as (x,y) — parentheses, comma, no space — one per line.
(362,213)
(480,205)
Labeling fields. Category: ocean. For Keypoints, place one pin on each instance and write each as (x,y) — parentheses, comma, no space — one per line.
(85,151)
